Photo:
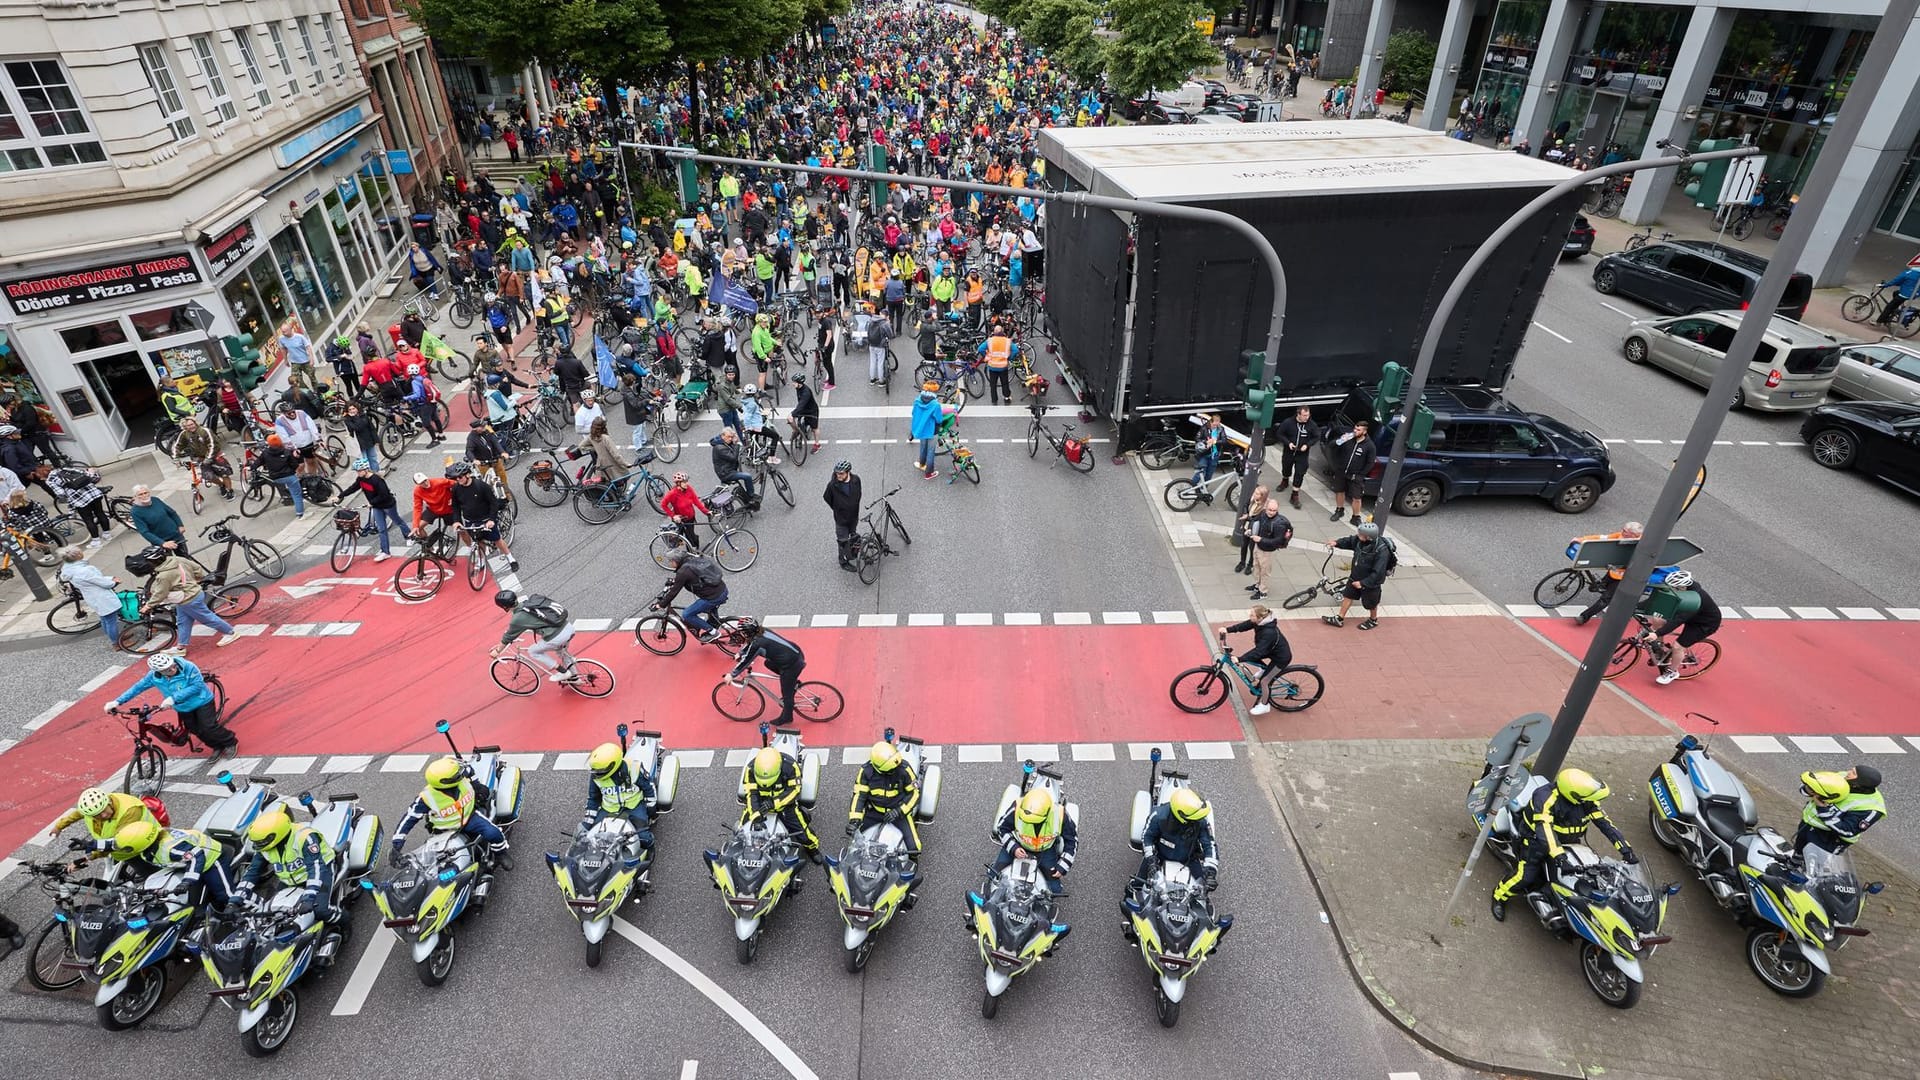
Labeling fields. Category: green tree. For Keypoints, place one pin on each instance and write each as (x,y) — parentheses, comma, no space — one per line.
(1047,23)
(1409,61)
(1084,55)
(1158,46)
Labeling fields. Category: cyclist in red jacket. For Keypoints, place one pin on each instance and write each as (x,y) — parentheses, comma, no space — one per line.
(432,500)
(680,503)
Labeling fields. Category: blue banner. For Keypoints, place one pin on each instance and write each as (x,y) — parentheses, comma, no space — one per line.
(727,294)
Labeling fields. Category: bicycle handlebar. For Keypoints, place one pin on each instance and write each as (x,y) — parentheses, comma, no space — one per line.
(882,498)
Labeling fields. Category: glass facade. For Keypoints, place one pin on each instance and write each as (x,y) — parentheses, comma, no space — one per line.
(1901,214)
(1512,43)
(1622,56)
(318,235)
(291,258)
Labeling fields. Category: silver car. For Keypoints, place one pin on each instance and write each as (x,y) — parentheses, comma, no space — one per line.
(1882,371)
(1790,371)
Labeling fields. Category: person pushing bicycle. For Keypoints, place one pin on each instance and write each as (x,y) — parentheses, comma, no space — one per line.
(185,691)
(1695,619)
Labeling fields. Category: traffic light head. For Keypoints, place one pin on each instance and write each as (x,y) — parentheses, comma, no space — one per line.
(244,360)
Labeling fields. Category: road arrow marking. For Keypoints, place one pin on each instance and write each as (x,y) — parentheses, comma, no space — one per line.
(320,585)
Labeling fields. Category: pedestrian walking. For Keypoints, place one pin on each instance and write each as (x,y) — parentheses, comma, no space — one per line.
(1270,531)
(383,510)
(1354,455)
(1373,560)
(178,579)
(843,498)
(927,415)
(879,332)
(1255,506)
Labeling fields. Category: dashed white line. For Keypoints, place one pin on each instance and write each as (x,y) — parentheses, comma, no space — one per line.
(690,1069)
(1120,618)
(1818,744)
(1554,332)
(570,762)
(1141,751)
(1209,751)
(1091,751)
(53,710)
(1164,617)
(738,758)
(926,619)
(1814,613)
(1780,442)
(1622,311)
(1905,614)
(1866,614)
(829,620)
(694,759)
(1754,442)
(1765,613)
(871,619)
(365,971)
(523,762)
(978,754)
(346,764)
(289,766)
(780,622)
(1072,618)
(1021,618)
(404,763)
(1036,752)
(591,625)
(973,618)
(1876,744)
(100,680)
(1648,442)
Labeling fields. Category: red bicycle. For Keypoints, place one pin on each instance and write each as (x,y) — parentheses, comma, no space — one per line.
(148,766)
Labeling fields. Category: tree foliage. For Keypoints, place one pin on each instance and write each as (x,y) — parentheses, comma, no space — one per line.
(1409,61)
(1158,46)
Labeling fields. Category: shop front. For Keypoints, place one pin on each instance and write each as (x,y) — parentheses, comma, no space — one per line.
(1615,76)
(1512,43)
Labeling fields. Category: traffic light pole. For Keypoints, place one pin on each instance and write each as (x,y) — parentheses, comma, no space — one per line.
(1276,320)
(1686,471)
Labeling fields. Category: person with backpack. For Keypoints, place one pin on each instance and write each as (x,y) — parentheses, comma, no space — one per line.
(550,626)
(879,332)
(1374,559)
(701,576)
(424,397)
(80,489)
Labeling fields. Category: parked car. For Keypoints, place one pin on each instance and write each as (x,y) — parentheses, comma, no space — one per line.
(1685,276)
(1167,114)
(1791,370)
(1579,238)
(1880,438)
(1216,90)
(1481,445)
(1881,371)
(1233,109)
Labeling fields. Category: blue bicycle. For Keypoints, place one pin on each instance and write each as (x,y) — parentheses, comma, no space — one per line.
(1202,689)
(598,501)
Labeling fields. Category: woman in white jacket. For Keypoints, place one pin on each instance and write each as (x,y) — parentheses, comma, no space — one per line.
(97,590)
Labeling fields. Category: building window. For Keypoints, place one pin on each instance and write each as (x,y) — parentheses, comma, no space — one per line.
(307,53)
(286,62)
(166,90)
(216,80)
(429,111)
(395,105)
(42,125)
(250,60)
(333,47)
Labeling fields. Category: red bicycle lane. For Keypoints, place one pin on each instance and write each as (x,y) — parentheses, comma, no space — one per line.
(369,675)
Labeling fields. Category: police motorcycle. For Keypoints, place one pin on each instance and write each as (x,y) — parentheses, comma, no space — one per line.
(874,877)
(1797,910)
(257,951)
(447,874)
(1609,906)
(1171,917)
(1013,915)
(760,861)
(606,863)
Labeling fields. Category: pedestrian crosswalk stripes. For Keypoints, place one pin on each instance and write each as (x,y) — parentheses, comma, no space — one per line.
(1826,744)
(1804,613)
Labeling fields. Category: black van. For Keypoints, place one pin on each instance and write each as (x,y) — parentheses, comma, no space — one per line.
(1685,276)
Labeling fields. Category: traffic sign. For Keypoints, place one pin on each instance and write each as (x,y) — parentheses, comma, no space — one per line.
(1743,179)
(1594,553)
(200,317)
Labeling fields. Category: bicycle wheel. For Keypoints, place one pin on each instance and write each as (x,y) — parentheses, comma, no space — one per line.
(818,701)
(1858,308)
(733,637)
(893,519)
(1906,324)
(146,636)
(799,447)
(743,703)
(514,675)
(476,400)
(52,951)
(664,546)
(1085,464)
(660,634)
(684,413)
(264,559)
(1742,227)
(735,549)
(1625,656)
(869,560)
(461,312)
(663,440)
(1301,599)
(477,568)
(974,383)
(232,601)
(546,484)
(146,771)
(781,488)
(971,471)
(1160,456)
(393,439)
(71,617)
(656,489)
(418,578)
(199,500)
(1559,587)
(1297,688)
(1198,690)
(1033,441)
(1706,653)
(593,504)
(591,678)
(257,498)
(456,365)
(120,509)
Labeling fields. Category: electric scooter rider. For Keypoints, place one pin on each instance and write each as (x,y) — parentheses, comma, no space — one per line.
(1557,813)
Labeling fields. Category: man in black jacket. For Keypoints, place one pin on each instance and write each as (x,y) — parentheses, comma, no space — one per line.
(781,656)
(1270,531)
(1353,456)
(279,465)
(1270,649)
(727,466)
(479,511)
(572,375)
(843,497)
(1297,436)
(484,450)
(1373,560)
(700,576)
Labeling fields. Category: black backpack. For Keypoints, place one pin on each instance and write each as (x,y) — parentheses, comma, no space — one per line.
(550,614)
(707,579)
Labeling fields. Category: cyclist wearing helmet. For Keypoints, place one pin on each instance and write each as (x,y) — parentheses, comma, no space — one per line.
(773,788)
(1037,827)
(152,848)
(446,804)
(294,857)
(106,813)
(1179,830)
(886,790)
(424,397)
(1695,619)
(680,503)
(1556,814)
(185,691)
(843,498)
(1840,807)
(550,626)
(432,501)
(804,418)
(618,787)
(479,509)
(1374,558)
(782,657)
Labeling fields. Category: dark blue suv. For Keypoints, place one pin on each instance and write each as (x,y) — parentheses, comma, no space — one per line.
(1483,446)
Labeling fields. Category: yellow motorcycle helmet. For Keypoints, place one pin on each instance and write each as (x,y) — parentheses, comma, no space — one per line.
(1580,786)
(270,829)
(884,756)
(1188,806)
(135,839)
(1825,786)
(766,765)
(605,760)
(443,773)
(1035,806)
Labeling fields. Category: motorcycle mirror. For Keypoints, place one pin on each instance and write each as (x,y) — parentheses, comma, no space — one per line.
(1673,887)
(441,727)
(1027,767)
(1130,906)
(226,778)
(766,733)
(367,884)
(888,735)
(1875,887)
(1059,928)
(622,730)
(306,799)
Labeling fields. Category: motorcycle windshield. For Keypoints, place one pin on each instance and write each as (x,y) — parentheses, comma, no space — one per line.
(592,860)
(1627,889)
(91,926)
(1177,906)
(753,853)
(1833,883)
(413,880)
(869,867)
(1021,905)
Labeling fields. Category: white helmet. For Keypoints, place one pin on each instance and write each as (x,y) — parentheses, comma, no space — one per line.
(160,662)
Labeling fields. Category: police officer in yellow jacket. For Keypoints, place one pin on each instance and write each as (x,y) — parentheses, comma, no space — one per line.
(1558,813)
(617,787)
(886,790)
(147,846)
(774,788)
(1840,807)
(447,804)
(294,857)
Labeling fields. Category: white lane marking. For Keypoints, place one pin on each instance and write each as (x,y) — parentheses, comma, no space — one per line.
(295,629)
(1391,1075)
(690,1070)
(781,622)
(1905,614)
(339,629)
(290,766)
(242,766)
(1731,612)
(1876,744)
(848,442)
(1169,617)
(973,618)
(1209,751)
(1758,744)
(1778,442)
(1072,618)
(593,624)
(711,990)
(1021,618)
(1818,744)
(1554,332)
(1036,752)
(365,971)
(870,619)
(52,711)
(1529,611)
(1614,442)
(629,624)
(829,620)
(882,442)
(989,440)
(100,680)
(694,759)
(853,755)
(249,629)
(523,762)
(1754,442)
(1120,618)
(1765,613)
(927,619)
(1912,740)
(7,744)
(352,763)
(570,762)
(404,763)
(213,791)
(8,866)
(1866,614)
(1648,442)
(1814,613)
(1091,751)
(1622,311)
(977,754)
(739,758)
